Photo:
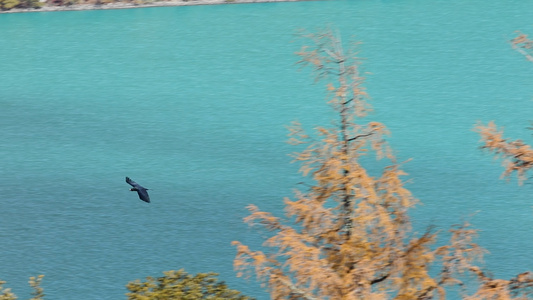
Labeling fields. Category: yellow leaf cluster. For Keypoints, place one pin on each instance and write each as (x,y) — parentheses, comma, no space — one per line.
(523,45)
(517,156)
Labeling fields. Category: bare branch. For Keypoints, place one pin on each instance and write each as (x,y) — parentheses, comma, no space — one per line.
(360,136)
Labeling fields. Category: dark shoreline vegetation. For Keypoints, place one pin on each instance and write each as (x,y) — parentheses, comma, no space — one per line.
(18,6)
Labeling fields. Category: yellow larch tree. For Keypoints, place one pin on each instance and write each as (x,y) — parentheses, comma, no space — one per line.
(348,235)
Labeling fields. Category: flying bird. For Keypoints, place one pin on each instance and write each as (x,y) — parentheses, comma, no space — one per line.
(143,194)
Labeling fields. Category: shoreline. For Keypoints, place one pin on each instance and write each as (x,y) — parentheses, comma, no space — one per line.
(120,5)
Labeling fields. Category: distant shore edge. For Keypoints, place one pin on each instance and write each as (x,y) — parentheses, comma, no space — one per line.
(119,5)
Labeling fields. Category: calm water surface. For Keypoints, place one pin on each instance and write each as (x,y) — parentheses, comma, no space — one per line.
(192,102)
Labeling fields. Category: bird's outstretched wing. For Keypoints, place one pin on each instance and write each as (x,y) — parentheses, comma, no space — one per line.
(132,183)
(143,195)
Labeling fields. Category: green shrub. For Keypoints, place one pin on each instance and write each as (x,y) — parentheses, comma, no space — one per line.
(180,285)
(35,283)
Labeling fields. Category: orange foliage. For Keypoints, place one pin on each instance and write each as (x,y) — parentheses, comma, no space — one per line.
(517,156)
(349,235)
(523,45)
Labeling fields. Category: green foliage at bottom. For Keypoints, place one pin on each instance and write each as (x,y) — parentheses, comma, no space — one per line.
(35,283)
(181,285)
(5,293)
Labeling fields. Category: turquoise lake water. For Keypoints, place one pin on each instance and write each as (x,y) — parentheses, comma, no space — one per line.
(192,102)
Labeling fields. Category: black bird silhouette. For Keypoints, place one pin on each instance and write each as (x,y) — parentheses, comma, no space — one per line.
(143,194)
